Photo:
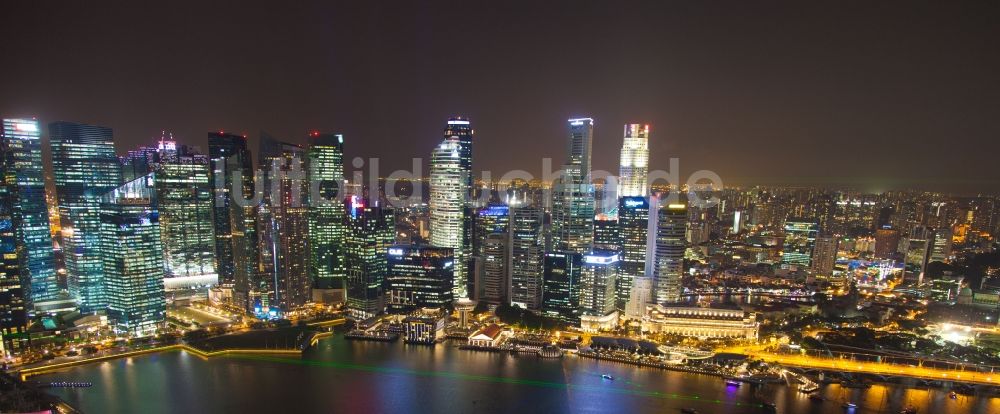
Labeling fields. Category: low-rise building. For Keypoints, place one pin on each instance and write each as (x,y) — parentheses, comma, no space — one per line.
(701,322)
(425,326)
(488,336)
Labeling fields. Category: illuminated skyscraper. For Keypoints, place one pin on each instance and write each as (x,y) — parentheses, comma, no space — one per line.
(825,255)
(229,158)
(496,269)
(597,282)
(22,151)
(449,188)
(526,257)
(668,267)
(634,167)
(579,146)
(326,213)
(13,291)
(132,256)
(633,220)
(291,220)
(184,204)
(573,194)
(370,233)
(419,277)
(237,251)
(85,167)
(606,232)
(800,240)
(886,242)
(489,220)
(561,274)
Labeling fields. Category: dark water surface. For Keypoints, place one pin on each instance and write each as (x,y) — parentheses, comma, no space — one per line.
(339,376)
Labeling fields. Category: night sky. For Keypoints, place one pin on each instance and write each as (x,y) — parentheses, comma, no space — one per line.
(873,94)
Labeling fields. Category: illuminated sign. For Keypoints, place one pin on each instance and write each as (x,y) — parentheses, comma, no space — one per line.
(26,126)
(675,206)
(635,202)
(580,121)
(395,251)
(458,122)
(603,260)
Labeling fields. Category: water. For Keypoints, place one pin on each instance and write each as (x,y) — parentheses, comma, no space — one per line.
(374,377)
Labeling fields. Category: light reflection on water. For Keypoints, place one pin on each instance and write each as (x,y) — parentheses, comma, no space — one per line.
(353,376)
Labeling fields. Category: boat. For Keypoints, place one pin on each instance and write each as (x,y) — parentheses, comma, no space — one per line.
(909,410)
(689,411)
(849,405)
(816,398)
(607,377)
(733,383)
(769,406)
(953,395)
(809,388)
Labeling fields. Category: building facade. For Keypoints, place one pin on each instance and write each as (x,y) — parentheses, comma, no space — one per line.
(419,277)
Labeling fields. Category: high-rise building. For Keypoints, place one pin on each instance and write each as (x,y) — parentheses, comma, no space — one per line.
(326,213)
(184,203)
(489,220)
(606,233)
(13,292)
(561,296)
(634,166)
(573,207)
(526,257)
(370,232)
(597,282)
(419,277)
(84,167)
(449,189)
(824,255)
(800,240)
(22,151)
(640,296)
(633,222)
(496,269)
(291,229)
(668,267)
(941,250)
(237,250)
(231,169)
(886,242)
(579,147)
(132,256)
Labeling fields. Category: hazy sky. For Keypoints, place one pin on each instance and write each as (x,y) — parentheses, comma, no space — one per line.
(876,94)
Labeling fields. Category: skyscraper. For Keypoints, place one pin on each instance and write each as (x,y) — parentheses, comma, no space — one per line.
(370,233)
(85,167)
(132,256)
(13,292)
(184,203)
(22,147)
(496,269)
(561,274)
(825,255)
(573,194)
(669,260)
(800,240)
(291,229)
(526,257)
(606,232)
(634,166)
(597,282)
(419,277)
(633,220)
(449,188)
(237,250)
(640,295)
(579,147)
(326,213)
(489,220)
(229,158)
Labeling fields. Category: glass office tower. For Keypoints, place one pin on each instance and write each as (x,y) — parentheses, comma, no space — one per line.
(85,167)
